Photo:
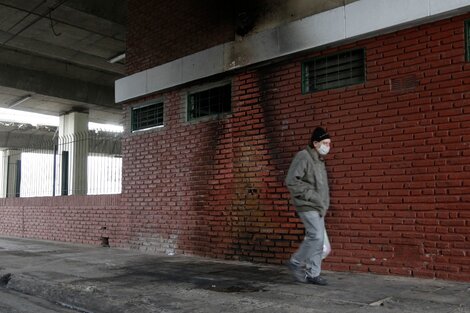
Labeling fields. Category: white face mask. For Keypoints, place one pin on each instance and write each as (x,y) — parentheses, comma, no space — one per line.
(323,149)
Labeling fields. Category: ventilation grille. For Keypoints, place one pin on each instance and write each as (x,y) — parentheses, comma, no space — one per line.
(405,83)
(467,40)
(210,102)
(334,71)
(147,116)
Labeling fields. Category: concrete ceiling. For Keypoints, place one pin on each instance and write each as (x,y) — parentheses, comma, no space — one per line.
(55,56)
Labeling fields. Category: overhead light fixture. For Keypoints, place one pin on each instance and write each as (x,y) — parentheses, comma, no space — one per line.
(117,58)
(19,101)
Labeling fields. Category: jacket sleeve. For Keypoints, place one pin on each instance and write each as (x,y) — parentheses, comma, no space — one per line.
(298,188)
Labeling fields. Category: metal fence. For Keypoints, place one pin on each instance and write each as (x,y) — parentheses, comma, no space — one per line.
(83,163)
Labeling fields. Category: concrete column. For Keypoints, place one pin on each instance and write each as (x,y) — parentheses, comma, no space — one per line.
(3,173)
(73,140)
(10,171)
(14,173)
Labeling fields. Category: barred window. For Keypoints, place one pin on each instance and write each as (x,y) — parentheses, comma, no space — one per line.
(147,116)
(467,41)
(210,102)
(334,71)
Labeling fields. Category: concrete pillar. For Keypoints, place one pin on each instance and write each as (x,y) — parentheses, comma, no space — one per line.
(3,173)
(73,141)
(10,173)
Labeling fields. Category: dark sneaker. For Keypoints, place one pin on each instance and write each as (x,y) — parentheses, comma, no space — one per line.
(297,272)
(317,281)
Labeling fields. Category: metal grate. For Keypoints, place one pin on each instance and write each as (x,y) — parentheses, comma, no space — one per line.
(405,83)
(467,40)
(209,102)
(334,71)
(147,116)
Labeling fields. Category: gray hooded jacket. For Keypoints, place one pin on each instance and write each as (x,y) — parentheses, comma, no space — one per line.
(307,182)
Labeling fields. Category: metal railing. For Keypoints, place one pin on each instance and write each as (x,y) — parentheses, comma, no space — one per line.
(83,163)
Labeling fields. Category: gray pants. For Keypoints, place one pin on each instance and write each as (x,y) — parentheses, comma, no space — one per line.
(310,251)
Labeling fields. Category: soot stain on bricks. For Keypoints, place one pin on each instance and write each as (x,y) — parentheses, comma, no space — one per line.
(206,180)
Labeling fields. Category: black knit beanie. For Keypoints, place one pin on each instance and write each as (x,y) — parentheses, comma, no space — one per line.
(319,134)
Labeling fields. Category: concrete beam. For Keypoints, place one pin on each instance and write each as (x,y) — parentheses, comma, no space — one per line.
(27,60)
(33,46)
(48,84)
(107,145)
(13,140)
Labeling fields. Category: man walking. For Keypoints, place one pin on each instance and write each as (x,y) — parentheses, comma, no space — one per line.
(307,182)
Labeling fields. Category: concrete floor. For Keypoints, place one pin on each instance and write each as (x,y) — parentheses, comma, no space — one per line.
(56,277)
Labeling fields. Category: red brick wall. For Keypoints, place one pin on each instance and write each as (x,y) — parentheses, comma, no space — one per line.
(161,31)
(79,219)
(399,167)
